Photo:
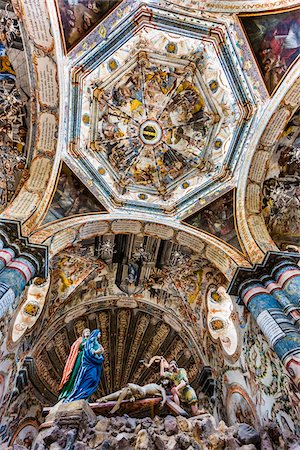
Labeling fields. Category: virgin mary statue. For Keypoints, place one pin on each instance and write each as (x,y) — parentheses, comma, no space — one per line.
(73,365)
(88,377)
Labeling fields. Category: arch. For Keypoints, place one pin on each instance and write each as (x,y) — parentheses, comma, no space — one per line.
(252,6)
(100,303)
(44,48)
(251,226)
(58,235)
(233,5)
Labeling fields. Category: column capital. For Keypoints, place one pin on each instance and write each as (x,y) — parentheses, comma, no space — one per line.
(244,274)
(11,234)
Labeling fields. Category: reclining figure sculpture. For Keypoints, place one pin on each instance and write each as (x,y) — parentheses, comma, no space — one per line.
(134,392)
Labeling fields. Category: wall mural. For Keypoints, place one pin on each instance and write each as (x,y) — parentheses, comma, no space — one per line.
(16,410)
(275,40)
(70,270)
(13,112)
(71,197)
(79,18)
(240,408)
(256,390)
(218,219)
(267,385)
(26,434)
(281,189)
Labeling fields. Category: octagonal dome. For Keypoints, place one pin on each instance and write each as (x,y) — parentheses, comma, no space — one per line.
(151,125)
(159,121)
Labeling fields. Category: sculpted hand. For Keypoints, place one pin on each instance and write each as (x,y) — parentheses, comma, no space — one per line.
(99,351)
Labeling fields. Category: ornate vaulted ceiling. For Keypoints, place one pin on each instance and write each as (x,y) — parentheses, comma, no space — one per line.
(161,118)
(143,120)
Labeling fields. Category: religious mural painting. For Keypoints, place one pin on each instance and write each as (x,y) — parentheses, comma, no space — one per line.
(218,219)
(281,188)
(25,434)
(143,151)
(275,41)
(14,95)
(79,18)
(157,118)
(240,408)
(71,197)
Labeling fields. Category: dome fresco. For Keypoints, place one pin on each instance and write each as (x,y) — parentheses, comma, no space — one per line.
(149,235)
(152,123)
(159,119)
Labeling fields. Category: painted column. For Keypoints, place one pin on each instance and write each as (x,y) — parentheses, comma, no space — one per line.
(287,275)
(14,278)
(7,252)
(20,261)
(278,293)
(6,256)
(277,327)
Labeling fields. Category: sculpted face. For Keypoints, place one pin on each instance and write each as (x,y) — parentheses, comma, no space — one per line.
(86,333)
(173,367)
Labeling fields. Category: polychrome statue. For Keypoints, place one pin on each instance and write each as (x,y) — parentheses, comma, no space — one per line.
(88,377)
(73,365)
(181,389)
(134,392)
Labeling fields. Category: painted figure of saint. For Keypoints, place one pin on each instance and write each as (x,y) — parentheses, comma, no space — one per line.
(6,70)
(88,377)
(73,365)
(181,390)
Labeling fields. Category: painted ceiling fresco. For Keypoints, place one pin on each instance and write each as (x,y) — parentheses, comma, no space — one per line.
(131,266)
(218,219)
(281,189)
(152,123)
(79,17)
(159,120)
(275,40)
(14,106)
(71,197)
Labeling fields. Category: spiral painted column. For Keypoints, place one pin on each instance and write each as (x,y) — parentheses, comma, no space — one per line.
(277,327)
(278,293)
(7,252)
(6,256)
(14,278)
(20,261)
(287,275)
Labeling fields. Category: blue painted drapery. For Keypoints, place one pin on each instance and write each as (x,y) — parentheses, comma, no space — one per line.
(88,377)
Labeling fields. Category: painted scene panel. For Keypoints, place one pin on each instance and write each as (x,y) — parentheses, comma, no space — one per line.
(275,41)
(71,197)
(78,17)
(217,218)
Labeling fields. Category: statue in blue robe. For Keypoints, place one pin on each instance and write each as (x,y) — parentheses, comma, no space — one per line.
(88,377)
